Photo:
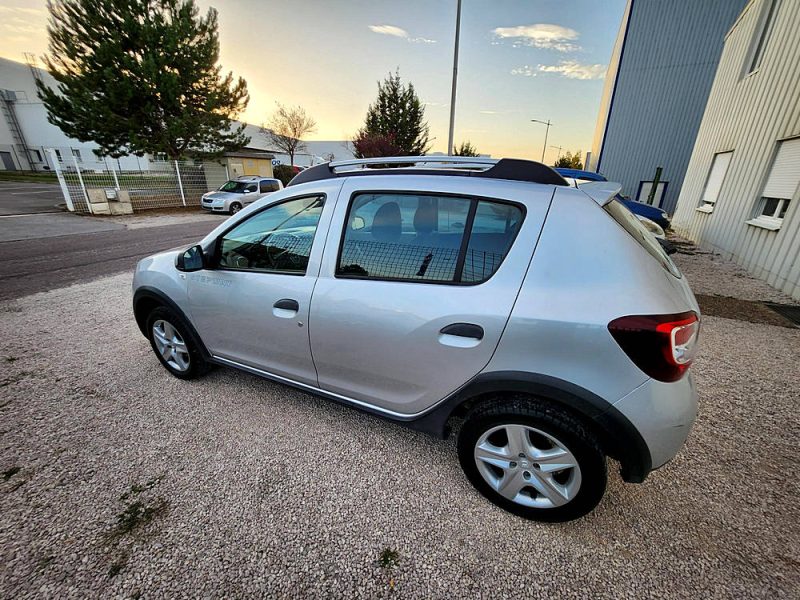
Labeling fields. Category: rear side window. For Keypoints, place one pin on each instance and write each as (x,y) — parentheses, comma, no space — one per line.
(622,215)
(412,237)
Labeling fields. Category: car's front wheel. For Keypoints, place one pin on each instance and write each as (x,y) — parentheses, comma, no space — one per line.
(532,459)
(235,207)
(173,345)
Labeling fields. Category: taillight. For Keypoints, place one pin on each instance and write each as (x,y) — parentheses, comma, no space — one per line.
(662,346)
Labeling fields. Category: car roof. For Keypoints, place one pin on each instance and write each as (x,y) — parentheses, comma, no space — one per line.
(255,178)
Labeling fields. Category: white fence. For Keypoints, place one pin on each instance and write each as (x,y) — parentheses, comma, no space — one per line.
(163,185)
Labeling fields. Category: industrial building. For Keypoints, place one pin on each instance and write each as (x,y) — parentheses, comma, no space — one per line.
(740,194)
(656,88)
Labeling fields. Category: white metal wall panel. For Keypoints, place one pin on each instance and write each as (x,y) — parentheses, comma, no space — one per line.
(749,114)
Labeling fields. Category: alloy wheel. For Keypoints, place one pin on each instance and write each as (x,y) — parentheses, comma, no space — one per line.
(171,345)
(527,466)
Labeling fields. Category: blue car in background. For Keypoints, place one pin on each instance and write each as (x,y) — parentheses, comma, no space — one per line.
(638,208)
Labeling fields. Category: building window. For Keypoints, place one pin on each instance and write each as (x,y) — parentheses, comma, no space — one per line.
(58,155)
(716,176)
(36,154)
(77,154)
(781,186)
(761,35)
(644,192)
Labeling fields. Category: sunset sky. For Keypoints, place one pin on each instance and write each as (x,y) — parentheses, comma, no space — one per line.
(519,60)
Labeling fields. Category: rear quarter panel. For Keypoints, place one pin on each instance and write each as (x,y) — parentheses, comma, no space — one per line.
(587,271)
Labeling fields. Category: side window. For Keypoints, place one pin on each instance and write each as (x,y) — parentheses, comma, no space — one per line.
(251,187)
(415,237)
(277,239)
(268,185)
(493,231)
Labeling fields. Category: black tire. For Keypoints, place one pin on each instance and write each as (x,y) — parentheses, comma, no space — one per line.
(197,363)
(235,207)
(548,418)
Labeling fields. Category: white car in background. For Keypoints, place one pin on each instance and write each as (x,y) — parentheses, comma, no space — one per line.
(237,193)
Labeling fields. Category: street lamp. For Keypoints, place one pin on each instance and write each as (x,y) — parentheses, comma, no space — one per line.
(450,141)
(545,133)
(559,148)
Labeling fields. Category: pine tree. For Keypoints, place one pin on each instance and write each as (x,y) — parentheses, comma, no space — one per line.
(396,119)
(141,76)
(569,161)
(466,149)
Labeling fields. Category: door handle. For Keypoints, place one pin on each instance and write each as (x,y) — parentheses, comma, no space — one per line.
(465,330)
(287,304)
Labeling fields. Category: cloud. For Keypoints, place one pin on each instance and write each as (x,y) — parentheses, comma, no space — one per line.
(389,30)
(566,68)
(399,32)
(574,70)
(525,71)
(540,35)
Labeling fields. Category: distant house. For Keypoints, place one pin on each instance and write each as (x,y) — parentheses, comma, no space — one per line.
(318,151)
(656,88)
(741,195)
(248,162)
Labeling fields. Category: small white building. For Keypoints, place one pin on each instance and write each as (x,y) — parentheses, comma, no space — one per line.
(741,193)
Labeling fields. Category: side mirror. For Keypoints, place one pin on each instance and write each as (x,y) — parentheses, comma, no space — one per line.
(358,223)
(190,260)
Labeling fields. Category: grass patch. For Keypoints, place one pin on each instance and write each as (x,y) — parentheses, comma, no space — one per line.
(388,558)
(28,176)
(9,473)
(139,513)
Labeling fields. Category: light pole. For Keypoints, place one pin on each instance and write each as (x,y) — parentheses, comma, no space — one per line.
(546,131)
(450,141)
(559,148)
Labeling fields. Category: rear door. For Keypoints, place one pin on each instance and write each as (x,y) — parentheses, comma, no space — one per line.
(418,280)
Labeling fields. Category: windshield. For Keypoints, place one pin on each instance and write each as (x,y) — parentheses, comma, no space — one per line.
(237,187)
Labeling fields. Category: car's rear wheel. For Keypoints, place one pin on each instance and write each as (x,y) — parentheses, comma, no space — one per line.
(173,345)
(532,459)
(235,207)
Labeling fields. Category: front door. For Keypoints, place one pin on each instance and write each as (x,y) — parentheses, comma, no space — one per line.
(251,307)
(413,301)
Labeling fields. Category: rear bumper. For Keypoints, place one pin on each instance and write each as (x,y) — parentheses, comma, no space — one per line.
(663,413)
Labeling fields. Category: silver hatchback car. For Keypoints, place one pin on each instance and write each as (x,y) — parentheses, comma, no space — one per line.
(235,194)
(543,321)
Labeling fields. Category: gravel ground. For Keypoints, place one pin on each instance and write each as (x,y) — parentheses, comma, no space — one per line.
(119,480)
(711,274)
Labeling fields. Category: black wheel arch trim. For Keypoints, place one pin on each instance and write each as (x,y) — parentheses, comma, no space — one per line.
(619,438)
(151,293)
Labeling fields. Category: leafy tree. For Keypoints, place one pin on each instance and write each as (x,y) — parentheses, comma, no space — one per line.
(466,149)
(395,122)
(569,161)
(141,76)
(283,172)
(371,145)
(286,129)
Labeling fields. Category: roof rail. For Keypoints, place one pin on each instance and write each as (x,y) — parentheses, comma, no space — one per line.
(465,166)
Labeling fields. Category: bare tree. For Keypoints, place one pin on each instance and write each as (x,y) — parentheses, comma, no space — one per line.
(286,129)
